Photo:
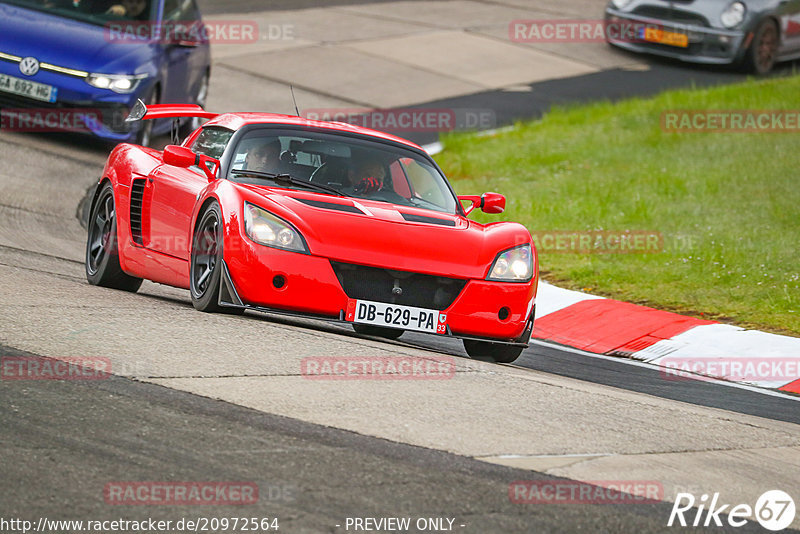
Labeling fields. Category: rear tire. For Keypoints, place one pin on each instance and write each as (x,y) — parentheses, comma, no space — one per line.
(760,57)
(378,331)
(499,352)
(102,251)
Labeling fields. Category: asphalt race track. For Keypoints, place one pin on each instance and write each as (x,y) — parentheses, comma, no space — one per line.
(70,440)
(198,397)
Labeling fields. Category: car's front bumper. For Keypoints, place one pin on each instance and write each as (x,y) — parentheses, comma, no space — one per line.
(706,45)
(79,107)
(309,285)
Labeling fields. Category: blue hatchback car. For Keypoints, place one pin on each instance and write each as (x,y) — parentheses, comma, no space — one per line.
(102,55)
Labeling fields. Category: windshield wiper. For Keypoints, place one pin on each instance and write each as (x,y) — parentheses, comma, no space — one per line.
(287,179)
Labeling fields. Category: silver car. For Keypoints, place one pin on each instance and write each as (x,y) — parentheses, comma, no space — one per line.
(754,34)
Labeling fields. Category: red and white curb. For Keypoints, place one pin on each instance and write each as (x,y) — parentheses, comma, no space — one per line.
(682,346)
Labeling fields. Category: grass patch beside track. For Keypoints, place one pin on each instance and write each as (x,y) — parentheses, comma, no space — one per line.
(726,204)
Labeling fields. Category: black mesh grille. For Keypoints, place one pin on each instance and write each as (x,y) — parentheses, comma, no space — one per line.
(421,290)
(137,197)
(675,16)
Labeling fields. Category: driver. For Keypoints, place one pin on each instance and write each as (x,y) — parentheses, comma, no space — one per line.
(367,176)
(265,157)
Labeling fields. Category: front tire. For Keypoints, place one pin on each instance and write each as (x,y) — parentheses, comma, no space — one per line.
(760,57)
(102,247)
(499,352)
(205,266)
(378,331)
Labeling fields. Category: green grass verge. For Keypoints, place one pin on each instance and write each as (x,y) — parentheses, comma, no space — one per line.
(726,204)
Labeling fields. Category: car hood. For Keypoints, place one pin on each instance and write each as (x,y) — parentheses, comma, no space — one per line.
(69,43)
(397,237)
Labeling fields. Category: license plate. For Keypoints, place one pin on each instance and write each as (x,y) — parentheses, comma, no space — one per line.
(397,316)
(657,35)
(34,90)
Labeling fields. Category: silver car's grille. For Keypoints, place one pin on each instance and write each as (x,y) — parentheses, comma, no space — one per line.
(675,16)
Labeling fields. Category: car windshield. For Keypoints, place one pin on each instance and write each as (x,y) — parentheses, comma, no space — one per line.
(353,167)
(94,11)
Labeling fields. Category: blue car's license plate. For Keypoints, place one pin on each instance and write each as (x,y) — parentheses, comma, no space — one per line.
(34,90)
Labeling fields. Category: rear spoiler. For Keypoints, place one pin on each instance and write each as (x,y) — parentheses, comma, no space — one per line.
(141,111)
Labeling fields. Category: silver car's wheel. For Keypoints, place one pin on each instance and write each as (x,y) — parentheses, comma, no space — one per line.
(763,51)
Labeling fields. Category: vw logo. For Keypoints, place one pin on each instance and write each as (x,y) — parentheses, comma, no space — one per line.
(29,66)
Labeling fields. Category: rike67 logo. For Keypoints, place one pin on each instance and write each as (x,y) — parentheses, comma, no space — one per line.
(774,510)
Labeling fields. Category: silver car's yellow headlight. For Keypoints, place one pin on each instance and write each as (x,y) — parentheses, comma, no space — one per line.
(270,230)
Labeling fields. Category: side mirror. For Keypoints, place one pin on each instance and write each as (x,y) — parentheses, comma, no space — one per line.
(493,203)
(487,202)
(179,156)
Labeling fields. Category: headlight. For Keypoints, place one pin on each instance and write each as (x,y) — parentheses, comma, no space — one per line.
(119,83)
(513,265)
(733,15)
(267,229)
(619,4)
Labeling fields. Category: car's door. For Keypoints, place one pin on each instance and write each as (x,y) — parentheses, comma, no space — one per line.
(789,12)
(186,53)
(174,192)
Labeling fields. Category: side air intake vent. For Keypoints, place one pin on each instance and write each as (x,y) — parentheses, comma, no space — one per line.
(137,199)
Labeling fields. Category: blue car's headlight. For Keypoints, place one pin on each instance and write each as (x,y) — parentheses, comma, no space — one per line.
(733,15)
(513,265)
(119,83)
(267,229)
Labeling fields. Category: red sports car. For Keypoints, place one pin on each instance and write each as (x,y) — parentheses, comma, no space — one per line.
(320,219)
